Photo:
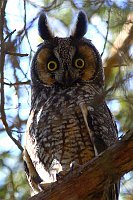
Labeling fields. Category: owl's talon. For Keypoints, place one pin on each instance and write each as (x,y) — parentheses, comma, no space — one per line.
(61,175)
(43,185)
(74,166)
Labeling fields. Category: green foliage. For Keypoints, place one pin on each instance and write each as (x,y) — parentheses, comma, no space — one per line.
(13,186)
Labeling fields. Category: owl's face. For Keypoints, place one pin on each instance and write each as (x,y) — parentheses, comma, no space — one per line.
(66,61)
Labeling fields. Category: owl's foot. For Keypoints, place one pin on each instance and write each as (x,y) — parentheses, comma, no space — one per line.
(61,175)
(73,166)
(43,185)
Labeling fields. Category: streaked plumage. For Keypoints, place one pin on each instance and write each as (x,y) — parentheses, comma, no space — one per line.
(69,120)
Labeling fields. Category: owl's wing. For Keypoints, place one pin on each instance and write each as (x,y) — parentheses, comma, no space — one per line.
(103,133)
(103,126)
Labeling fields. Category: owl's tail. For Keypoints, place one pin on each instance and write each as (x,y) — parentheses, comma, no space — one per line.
(113,192)
(31,173)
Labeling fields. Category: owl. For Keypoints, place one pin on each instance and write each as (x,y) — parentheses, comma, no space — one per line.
(69,122)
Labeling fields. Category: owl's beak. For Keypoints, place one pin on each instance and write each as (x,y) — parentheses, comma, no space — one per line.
(67,79)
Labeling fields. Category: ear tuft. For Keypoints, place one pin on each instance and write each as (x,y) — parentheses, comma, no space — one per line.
(81,25)
(43,27)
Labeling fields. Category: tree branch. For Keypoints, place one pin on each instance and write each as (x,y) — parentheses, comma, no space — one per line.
(16,54)
(106,32)
(18,83)
(120,49)
(93,177)
(2,63)
(9,35)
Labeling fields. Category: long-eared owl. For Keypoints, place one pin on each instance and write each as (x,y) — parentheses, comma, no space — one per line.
(69,122)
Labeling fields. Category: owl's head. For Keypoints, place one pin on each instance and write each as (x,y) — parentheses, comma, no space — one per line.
(66,61)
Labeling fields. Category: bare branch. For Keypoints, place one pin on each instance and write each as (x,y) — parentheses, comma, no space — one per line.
(118,83)
(18,83)
(120,48)
(2,62)
(107,31)
(93,177)
(51,5)
(8,36)
(16,54)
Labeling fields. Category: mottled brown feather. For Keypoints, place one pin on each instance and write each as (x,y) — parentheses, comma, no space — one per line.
(90,62)
(42,70)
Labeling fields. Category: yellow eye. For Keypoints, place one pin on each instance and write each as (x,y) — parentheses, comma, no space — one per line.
(52,65)
(79,63)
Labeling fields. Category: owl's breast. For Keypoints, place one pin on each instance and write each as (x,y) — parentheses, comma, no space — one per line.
(61,131)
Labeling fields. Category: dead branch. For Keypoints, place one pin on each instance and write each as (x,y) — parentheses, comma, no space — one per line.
(2,63)
(18,83)
(106,38)
(16,54)
(93,177)
(9,35)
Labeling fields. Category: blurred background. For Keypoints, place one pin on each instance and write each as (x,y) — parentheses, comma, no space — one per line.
(110,28)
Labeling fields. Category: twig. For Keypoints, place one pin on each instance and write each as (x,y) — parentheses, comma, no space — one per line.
(117,84)
(52,5)
(106,32)
(7,36)
(25,22)
(2,62)
(18,83)
(16,54)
